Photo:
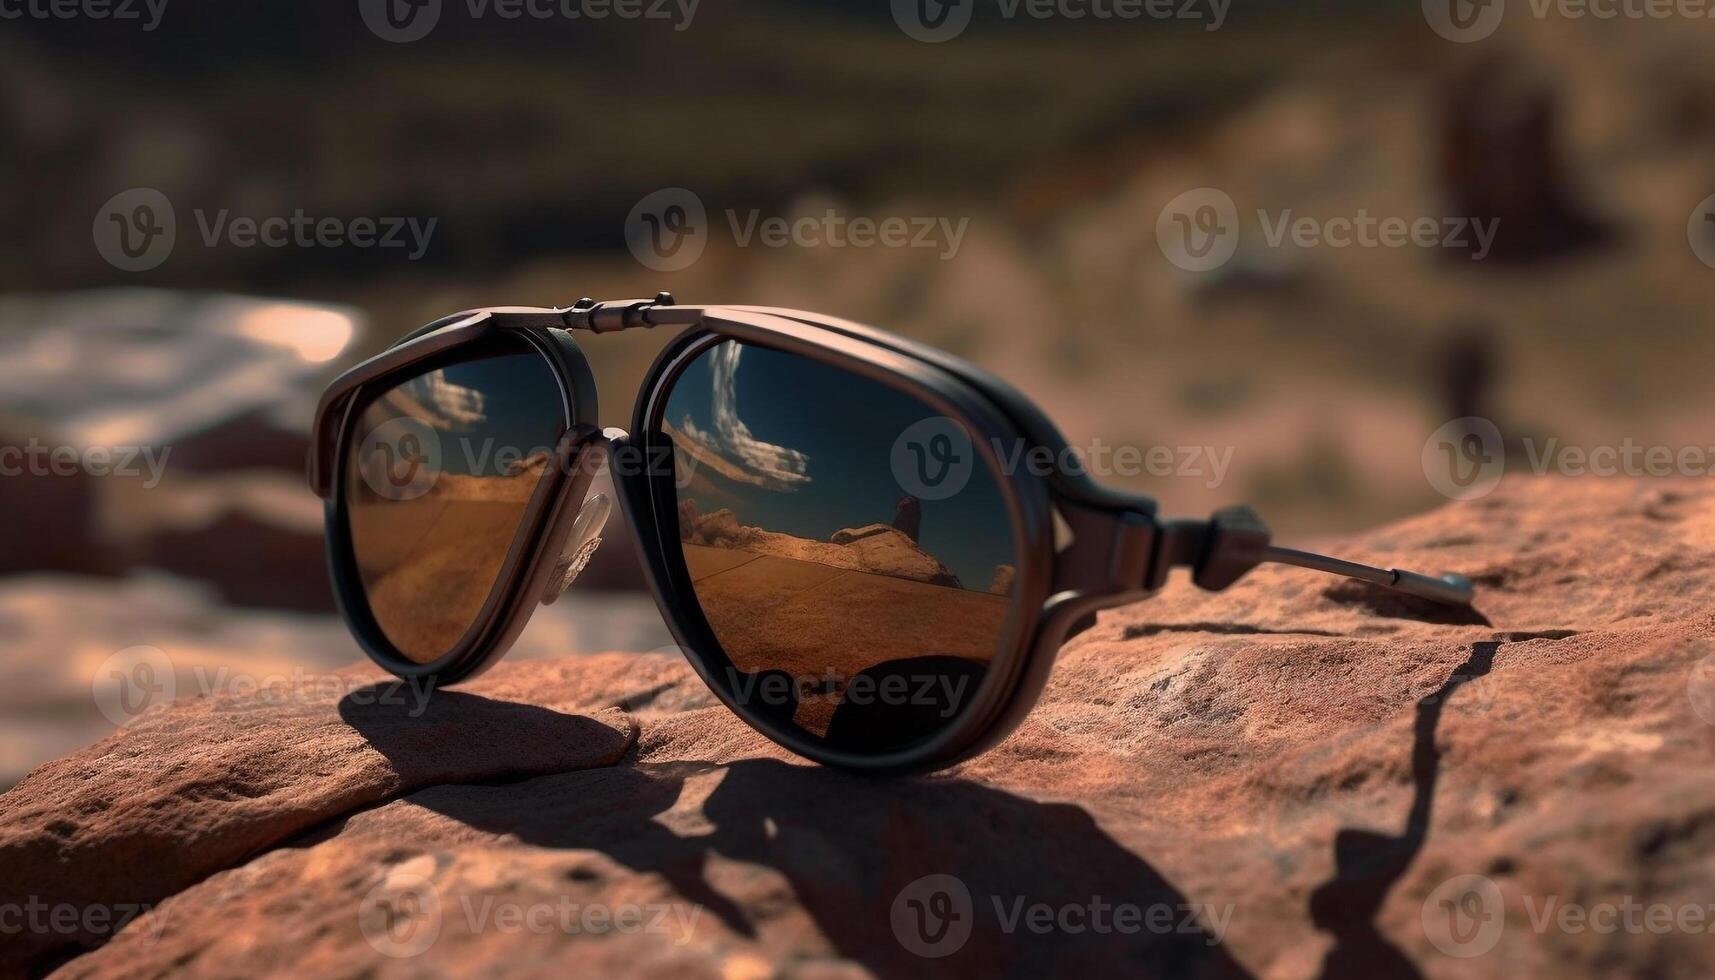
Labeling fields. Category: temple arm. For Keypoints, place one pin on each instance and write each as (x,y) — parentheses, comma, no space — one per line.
(1220,550)
(1451,588)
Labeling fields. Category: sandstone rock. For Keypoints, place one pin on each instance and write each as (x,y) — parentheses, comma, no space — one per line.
(1313,768)
(850,534)
(908,517)
(877,548)
(890,552)
(207,783)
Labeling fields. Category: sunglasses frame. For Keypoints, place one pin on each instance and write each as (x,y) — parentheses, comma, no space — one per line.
(527,568)
(1079,546)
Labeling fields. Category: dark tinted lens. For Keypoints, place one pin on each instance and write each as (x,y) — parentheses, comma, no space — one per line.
(438,473)
(850,551)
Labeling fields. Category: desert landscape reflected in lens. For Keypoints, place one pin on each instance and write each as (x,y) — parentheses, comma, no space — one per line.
(860,613)
(439,472)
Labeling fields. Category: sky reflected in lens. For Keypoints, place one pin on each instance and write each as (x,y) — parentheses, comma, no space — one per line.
(850,607)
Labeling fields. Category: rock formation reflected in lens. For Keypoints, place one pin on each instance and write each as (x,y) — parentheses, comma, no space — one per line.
(860,614)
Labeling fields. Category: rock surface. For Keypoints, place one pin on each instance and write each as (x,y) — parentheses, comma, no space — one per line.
(1310,766)
(876,548)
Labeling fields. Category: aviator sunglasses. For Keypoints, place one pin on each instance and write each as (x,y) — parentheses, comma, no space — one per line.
(834,520)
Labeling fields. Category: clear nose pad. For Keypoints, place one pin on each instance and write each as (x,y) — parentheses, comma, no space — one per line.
(580,545)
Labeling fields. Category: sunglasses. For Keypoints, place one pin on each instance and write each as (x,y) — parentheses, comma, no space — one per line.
(867,548)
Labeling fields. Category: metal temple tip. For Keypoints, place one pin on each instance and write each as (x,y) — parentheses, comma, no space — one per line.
(1451,588)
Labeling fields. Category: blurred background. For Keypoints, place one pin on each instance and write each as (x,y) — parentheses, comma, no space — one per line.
(513,155)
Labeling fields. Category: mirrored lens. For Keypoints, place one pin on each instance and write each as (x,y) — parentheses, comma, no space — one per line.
(851,552)
(438,474)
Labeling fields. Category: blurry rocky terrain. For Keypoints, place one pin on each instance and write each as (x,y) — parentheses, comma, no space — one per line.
(1323,370)
(1588,140)
(1312,775)
(190,530)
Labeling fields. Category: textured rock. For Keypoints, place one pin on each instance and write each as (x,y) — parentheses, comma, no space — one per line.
(877,548)
(1304,762)
(206,783)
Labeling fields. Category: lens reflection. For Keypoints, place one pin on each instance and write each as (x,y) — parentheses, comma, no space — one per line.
(438,474)
(854,564)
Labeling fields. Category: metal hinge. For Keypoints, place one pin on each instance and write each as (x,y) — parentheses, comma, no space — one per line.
(611,315)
